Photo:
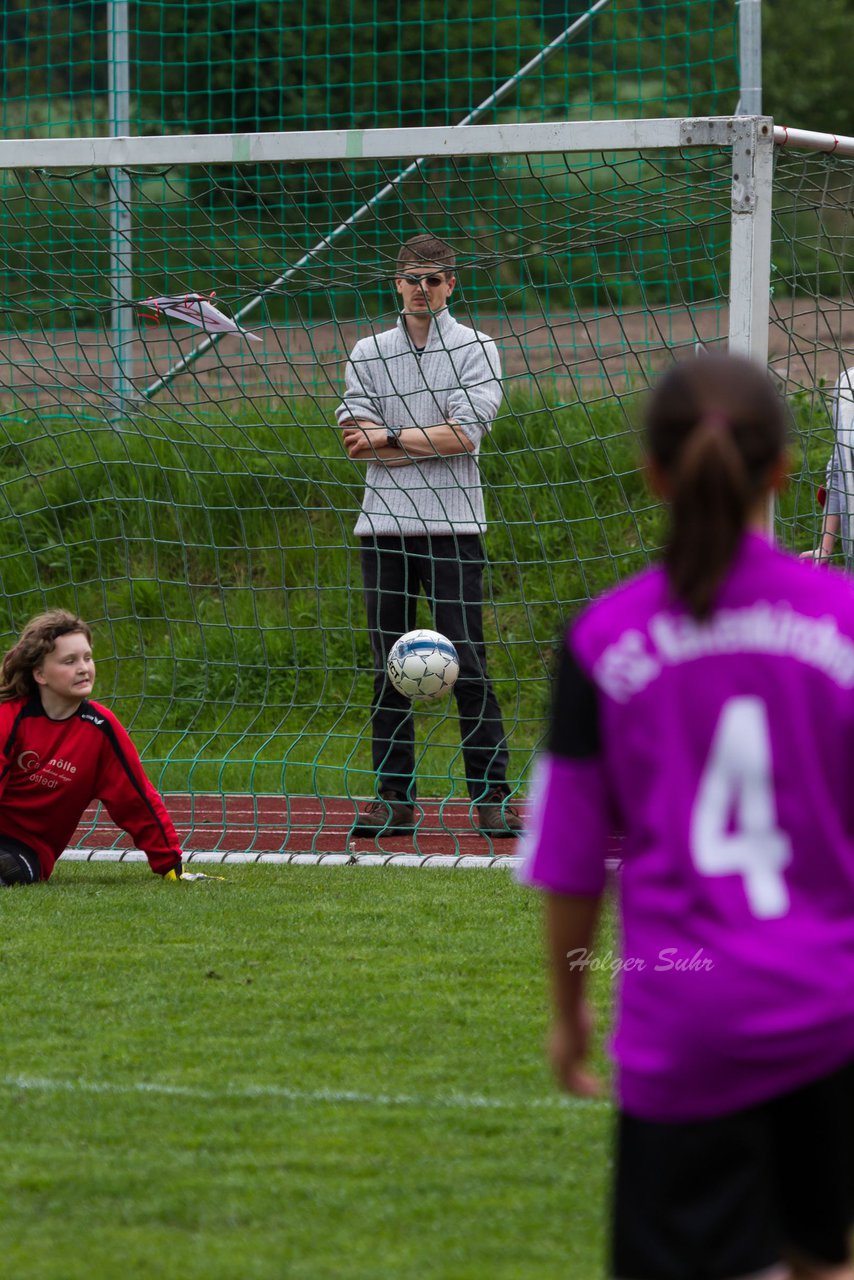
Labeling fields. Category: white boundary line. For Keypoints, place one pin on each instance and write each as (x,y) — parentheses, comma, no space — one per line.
(283,1093)
(443,861)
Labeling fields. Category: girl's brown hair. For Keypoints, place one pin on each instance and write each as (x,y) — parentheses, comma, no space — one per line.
(32,647)
(715,428)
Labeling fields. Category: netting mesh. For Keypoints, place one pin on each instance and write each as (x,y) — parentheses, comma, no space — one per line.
(195,530)
(246,64)
(560,258)
(186,70)
(199,510)
(207,531)
(811,339)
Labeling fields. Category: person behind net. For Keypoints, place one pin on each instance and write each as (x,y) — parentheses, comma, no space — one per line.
(705,709)
(837,494)
(419,399)
(59,752)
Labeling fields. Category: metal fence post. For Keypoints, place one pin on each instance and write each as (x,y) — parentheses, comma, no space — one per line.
(121,218)
(750,57)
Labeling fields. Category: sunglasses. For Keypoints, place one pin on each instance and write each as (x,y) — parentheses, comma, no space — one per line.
(432,282)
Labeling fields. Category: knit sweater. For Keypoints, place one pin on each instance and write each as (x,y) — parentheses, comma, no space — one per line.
(456,377)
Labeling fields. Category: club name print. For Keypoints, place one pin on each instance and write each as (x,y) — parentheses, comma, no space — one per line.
(50,775)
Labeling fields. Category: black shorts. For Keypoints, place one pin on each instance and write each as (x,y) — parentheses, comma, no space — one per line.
(19,864)
(731,1196)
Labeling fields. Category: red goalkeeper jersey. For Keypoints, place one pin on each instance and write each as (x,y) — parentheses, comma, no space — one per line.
(50,770)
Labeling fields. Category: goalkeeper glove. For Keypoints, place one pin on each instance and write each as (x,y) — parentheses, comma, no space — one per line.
(178,873)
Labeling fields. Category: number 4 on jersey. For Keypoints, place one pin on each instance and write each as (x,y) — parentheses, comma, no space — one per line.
(734,822)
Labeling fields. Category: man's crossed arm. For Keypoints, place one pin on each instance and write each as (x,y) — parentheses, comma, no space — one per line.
(367,441)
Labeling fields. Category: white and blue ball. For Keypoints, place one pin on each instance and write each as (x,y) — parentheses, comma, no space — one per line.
(423,665)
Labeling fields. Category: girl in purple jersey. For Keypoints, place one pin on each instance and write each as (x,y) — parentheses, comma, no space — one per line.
(705,711)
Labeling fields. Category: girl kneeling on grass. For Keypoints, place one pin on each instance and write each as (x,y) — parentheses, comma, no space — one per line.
(705,710)
(59,752)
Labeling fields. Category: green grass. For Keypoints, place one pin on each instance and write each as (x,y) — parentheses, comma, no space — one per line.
(216,560)
(299,1073)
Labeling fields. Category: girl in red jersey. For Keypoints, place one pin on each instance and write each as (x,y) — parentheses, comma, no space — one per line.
(59,752)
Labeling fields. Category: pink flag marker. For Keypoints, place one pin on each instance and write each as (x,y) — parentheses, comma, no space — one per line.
(195,309)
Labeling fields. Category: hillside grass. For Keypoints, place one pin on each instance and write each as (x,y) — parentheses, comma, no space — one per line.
(216,561)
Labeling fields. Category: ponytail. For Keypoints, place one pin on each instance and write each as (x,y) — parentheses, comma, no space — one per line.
(709,505)
(715,430)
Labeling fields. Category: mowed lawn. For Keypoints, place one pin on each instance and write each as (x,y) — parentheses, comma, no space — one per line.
(300,1072)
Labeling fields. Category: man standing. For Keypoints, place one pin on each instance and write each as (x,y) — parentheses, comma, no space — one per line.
(419,399)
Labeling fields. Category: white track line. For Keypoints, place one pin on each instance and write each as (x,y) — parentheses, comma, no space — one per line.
(281,1093)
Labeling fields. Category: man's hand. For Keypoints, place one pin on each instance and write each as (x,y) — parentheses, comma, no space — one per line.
(362,437)
(179,874)
(569,1046)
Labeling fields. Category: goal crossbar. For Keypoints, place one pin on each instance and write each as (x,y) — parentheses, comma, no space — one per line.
(376,144)
(348,144)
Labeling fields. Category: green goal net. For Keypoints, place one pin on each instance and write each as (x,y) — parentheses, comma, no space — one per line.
(223,65)
(811,334)
(202,513)
(245,65)
(189,494)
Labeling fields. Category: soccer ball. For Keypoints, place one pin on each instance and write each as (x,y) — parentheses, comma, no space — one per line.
(423,665)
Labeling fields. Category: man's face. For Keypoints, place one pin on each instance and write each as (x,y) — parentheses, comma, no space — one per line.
(424,288)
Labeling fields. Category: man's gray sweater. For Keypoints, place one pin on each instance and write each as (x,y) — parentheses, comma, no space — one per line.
(455,378)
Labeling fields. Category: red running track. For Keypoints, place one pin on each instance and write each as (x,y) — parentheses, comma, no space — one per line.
(298,824)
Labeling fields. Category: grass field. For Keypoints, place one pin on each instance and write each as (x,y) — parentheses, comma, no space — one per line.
(299,1073)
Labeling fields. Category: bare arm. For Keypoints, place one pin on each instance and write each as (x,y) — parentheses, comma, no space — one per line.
(570,929)
(834,504)
(829,533)
(367,442)
(836,495)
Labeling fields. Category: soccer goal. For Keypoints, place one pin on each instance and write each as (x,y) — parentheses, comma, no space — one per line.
(179,479)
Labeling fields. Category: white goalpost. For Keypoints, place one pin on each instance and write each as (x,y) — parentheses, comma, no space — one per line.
(201,512)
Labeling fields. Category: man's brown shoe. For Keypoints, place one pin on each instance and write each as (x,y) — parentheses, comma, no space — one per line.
(390,815)
(498,819)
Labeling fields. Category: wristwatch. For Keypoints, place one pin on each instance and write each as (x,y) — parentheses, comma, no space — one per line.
(392,437)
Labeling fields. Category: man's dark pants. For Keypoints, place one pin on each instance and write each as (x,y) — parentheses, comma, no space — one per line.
(449,570)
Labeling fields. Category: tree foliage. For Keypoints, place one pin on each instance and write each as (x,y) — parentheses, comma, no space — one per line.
(52,49)
(272,64)
(268,64)
(807,64)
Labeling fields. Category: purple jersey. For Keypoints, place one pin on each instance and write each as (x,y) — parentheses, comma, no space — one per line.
(723,753)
